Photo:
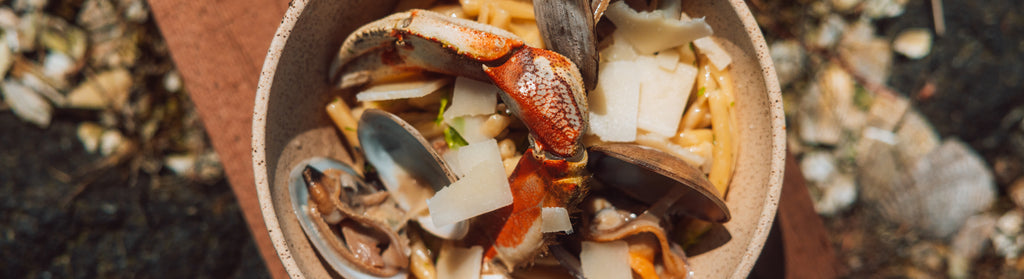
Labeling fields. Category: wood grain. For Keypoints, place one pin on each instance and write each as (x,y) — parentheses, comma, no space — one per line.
(218,47)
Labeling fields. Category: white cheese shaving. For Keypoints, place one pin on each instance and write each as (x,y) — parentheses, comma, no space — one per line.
(555,219)
(471,97)
(484,188)
(650,32)
(605,260)
(663,95)
(614,103)
(401,90)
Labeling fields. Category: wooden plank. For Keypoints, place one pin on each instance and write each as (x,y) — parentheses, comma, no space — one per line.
(218,47)
(807,248)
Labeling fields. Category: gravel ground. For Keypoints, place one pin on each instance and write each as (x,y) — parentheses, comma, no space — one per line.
(968,87)
(68,212)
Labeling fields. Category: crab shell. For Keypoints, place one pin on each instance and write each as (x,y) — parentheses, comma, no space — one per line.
(542,88)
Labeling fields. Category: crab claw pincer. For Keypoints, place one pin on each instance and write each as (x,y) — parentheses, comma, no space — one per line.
(543,88)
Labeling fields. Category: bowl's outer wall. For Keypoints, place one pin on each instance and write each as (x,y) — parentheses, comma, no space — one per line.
(290,102)
(754,191)
(289,125)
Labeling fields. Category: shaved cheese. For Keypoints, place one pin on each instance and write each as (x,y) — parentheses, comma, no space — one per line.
(613,104)
(650,32)
(707,46)
(452,158)
(484,188)
(475,154)
(471,97)
(456,262)
(461,160)
(401,90)
(619,49)
(718,56)
(600,260)
(686,54)
(453,231)
(667,59)
(555,219)
(663,95)
(469,127)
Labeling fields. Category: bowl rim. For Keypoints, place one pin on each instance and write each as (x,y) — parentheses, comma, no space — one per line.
(777,145)
(259,132)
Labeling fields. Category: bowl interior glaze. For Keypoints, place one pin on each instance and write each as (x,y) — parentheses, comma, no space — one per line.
(289,125)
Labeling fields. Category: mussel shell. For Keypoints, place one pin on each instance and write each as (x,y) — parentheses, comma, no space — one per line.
(300,200)
(568,28)
(648,174)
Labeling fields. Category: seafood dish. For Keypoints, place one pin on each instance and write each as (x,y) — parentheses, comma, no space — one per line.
(519,139)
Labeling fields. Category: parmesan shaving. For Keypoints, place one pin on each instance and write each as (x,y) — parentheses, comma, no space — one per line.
(484,188)
(605,260)
(555,219)
(650,32)
(401,90)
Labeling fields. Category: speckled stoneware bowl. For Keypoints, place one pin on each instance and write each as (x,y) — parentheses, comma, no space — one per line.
(290,125)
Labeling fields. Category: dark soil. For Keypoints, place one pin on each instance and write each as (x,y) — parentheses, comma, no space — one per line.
(166,226)
(66,213)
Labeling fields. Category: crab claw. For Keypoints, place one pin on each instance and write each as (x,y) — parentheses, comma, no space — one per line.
(420,40)
(513,234)
(543,88)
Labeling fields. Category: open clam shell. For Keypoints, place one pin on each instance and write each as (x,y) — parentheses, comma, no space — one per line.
(408,167)
(395,149)
(648,175)
(300,206)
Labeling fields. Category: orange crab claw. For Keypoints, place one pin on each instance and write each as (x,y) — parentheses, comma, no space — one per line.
(512,234)
(542,88)
(545,90)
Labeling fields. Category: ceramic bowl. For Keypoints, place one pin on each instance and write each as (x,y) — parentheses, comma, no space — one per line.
(290,125)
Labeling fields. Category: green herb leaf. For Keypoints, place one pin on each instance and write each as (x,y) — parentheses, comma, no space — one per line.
(702,91)
(453,139)
(440,112)
(862,99)
(350,129)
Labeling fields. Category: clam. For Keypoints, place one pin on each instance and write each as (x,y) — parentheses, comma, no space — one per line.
(359,228)
(317,215)
(664,185)
(659,179)
(408,167)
